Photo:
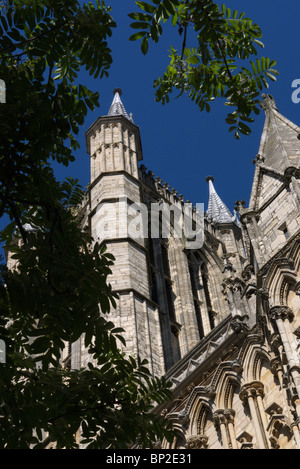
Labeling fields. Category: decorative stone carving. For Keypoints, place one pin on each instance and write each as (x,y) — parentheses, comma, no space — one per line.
(233,284)
(190,387)
(278,424)
(227,264)
(236,366)
(246,440)
(252,389)
(183,417)
(219,418)
(197,442)
(259,159)
(275,341)
(248,273)
(239,205)
(263,297)
(276,366)
(210,392)
(281,312)
(268,102)
(238,326)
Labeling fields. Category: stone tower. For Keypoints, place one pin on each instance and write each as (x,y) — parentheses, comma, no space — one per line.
(221,320)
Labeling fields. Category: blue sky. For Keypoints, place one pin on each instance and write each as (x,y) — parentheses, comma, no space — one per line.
(181,144)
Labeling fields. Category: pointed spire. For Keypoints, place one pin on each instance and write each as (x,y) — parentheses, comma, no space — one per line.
(279,146)
(117,108)
(217,211)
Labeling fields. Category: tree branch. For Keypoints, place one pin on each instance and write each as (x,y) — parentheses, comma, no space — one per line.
(38,36)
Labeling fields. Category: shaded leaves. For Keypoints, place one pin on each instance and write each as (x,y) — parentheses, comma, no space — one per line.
(218,65)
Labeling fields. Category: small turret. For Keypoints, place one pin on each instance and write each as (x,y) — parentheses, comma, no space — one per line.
(217,211)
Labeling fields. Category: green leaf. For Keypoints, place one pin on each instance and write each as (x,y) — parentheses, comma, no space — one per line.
(137,36)
(144,45)
(194,60)
(139,25)
(146,7)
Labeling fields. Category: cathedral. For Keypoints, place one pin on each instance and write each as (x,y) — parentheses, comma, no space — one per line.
(219,316)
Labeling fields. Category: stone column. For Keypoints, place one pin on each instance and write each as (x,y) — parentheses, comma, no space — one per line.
(251,394)
(230,413)
(249,219)
(224,421)
(283,316)
(220,423)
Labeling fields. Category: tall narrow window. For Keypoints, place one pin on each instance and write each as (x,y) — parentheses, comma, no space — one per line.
(207,298)
(153,274)
(175,343)
(168,282)
(193,268)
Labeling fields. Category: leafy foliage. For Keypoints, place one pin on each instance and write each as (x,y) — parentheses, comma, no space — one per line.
(50,296)
(219,65)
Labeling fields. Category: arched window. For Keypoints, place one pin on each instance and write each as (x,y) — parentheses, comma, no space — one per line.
(201,295)
(195,289)
(207,295)
(168,282)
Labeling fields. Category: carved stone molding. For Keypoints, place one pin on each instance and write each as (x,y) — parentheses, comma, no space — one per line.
(197,442)
(223,416)
(275,341)
(263,293)
(278,423)
(276,366)
(183,417)
(281,312)
(236,366)
(233,284)
(238,325)
(253,389)
(289,173)
(246,440)
(203,393)
(219,418)
(263,297)
(229,415)
(259,159)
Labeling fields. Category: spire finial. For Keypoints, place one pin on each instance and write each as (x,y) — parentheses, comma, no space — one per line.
(210,178)
(118,90)
(268,102)
(117,108)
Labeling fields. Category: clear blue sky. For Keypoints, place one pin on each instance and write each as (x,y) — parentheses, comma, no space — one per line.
(180,144)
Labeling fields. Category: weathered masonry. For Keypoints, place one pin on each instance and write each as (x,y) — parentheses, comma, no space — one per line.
(222,321)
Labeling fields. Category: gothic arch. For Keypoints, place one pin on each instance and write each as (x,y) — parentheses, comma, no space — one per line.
(197,407)
(252,356)
(283,276)
(225,381)
(211,269)
(280,279)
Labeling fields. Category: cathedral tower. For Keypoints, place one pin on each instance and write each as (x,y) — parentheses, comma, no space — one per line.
(114,145)
(220,320)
